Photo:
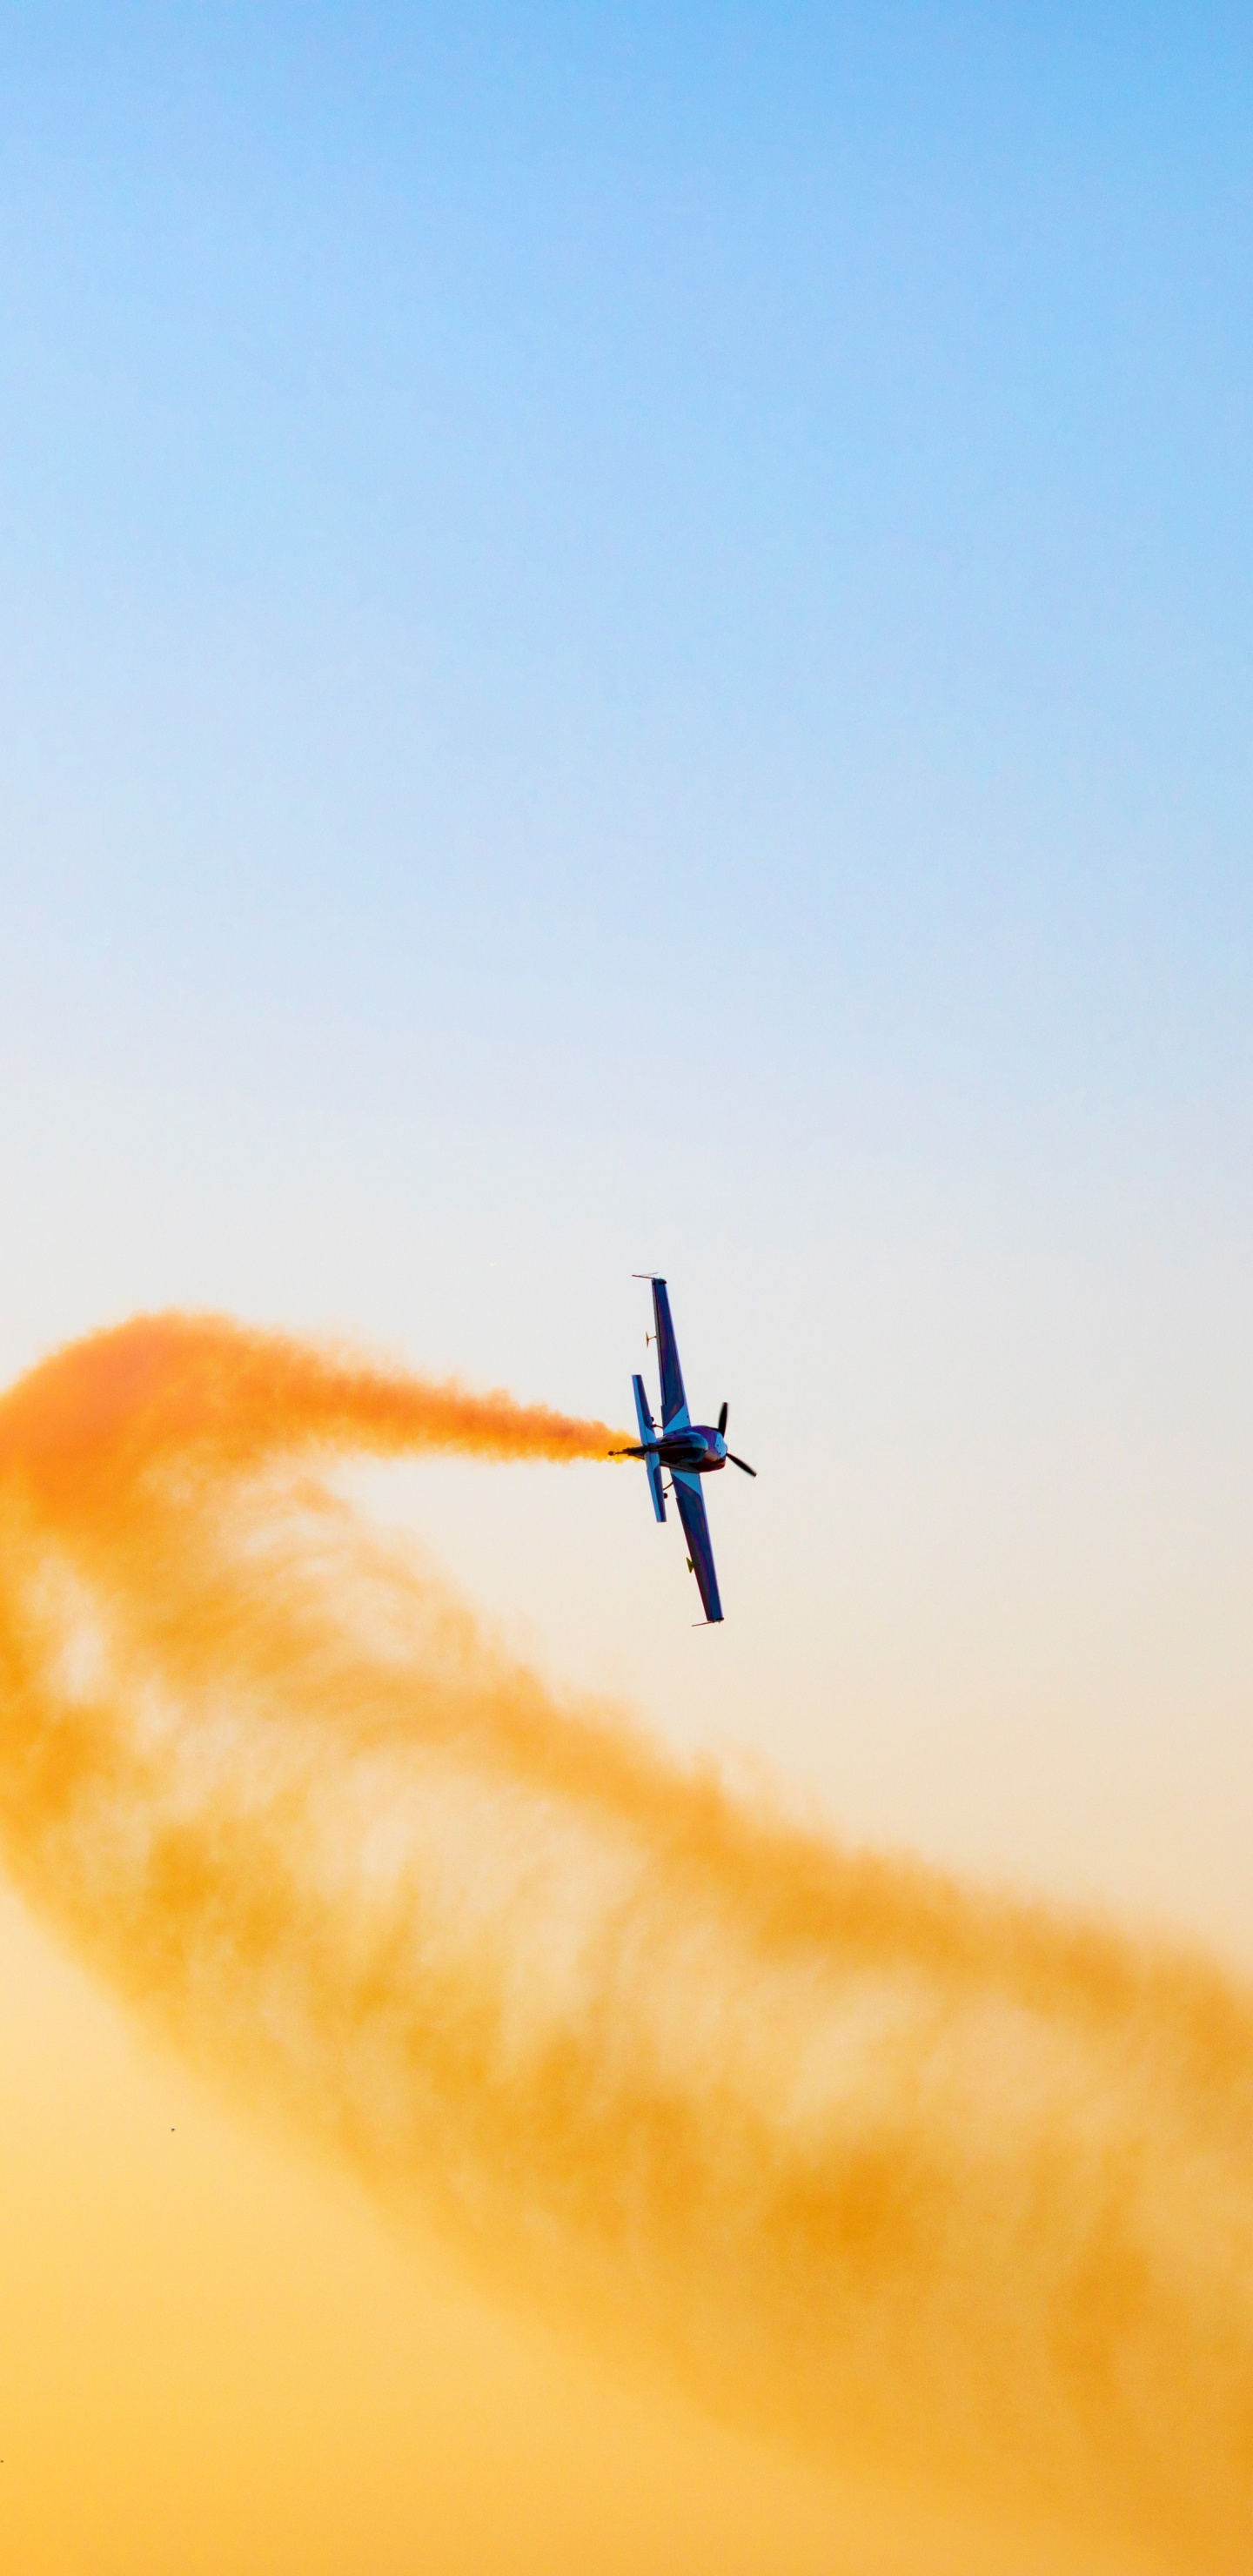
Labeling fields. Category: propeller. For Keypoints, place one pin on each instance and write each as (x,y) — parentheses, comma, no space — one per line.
(736,1462)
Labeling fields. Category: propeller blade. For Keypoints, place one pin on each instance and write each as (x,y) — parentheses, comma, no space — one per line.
(722,1419)
(741,1462)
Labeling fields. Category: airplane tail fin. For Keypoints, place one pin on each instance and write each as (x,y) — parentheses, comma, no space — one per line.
(648,1430)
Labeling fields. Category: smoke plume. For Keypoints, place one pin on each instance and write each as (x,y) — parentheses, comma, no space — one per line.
(954,2189)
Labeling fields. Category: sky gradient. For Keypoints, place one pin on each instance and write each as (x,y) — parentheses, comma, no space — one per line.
(625,641)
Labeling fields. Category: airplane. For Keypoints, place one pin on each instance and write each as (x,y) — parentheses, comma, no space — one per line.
(689,1449)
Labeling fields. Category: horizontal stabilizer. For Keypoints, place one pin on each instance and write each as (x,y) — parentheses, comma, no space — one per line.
(648,1431)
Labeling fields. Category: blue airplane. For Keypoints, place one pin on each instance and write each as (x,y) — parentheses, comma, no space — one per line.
(689,1449)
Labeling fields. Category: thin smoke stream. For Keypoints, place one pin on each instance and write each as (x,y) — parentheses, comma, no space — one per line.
(954,2187)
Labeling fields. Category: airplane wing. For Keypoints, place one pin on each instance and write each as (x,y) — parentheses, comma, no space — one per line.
(674,1412)
(692,1513)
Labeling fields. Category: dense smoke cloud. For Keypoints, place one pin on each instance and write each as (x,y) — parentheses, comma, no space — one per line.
(955,2190)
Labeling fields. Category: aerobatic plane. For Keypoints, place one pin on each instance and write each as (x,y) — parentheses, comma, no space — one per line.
(689,1450)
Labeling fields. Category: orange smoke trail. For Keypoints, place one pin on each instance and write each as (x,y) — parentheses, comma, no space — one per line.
(955,2190)
(203,1386)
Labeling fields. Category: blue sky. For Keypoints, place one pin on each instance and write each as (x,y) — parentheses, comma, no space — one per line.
(625,637)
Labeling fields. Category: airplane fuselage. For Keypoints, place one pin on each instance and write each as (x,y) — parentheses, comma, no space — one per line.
(698,1449)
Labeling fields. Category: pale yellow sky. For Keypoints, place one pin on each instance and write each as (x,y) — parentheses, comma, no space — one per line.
(217,2355)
